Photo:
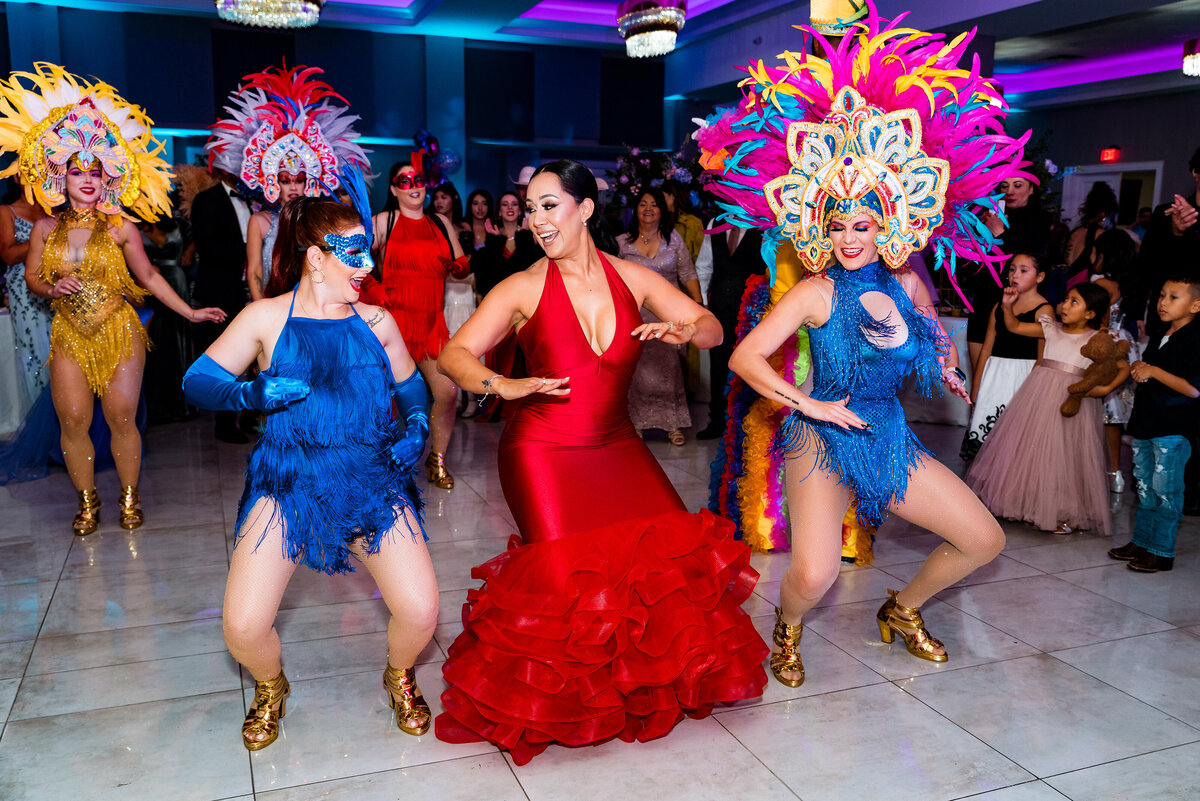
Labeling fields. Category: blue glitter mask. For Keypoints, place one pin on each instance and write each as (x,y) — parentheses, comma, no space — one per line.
(354,251)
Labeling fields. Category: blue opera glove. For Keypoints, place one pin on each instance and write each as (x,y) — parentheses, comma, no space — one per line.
(413,403)
(208,385)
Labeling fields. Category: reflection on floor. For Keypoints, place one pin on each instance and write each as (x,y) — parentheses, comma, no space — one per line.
(1070,676)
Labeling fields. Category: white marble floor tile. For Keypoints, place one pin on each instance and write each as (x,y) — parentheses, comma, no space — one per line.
(119,685)
(1057,557)
(341,726)
(969,641)
(136,599)
(1173,596)
(187,749)
(331,620)
(122,646)
(22,609)
(827,669)
(453,560)
(1162,669)
(13,657)
(32,558)
(478,778)
(999,569)
(872,742)
(310,588)
(1067,719)
(335,656)
(146,549)
(1172,774)
(698,760)
(770,566)
(898,550)
(1029,791)
(1049,613)
(8,693)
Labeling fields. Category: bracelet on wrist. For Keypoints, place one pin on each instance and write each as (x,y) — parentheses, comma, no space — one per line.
(487,388)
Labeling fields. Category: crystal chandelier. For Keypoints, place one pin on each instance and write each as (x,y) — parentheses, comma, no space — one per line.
(271,13)
(649,28)
(1191,58)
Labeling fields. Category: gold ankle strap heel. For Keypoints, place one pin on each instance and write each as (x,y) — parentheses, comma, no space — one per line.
(131,509)
(435,471)
(787,660)
(268,708)
(87,519)
(412,713)
(893,618)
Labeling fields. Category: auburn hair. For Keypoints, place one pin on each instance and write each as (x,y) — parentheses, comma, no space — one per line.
(304,222)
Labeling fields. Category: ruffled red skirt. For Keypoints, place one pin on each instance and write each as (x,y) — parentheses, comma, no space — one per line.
(616,632)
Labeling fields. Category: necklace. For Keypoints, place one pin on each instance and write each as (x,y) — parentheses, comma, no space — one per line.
(646,239)
(80,217)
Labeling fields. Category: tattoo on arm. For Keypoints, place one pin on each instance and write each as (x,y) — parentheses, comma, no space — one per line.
(375,318)
(786,398)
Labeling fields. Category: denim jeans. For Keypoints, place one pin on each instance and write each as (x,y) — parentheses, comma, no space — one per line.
(1158,470)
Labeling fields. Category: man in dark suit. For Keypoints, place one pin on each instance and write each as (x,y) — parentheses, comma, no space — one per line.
(736,255)
(219,220)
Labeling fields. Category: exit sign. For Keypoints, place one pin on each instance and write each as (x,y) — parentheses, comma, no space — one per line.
(1110,154)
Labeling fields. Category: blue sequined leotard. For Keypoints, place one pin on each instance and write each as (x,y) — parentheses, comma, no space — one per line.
(873,463)
(326,460)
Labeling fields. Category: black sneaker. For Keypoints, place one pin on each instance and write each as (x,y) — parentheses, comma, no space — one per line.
(1150,563)
(1126,552)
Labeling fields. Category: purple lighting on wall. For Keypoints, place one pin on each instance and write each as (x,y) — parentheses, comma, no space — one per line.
(598,12)
(378,3)
(1091,70)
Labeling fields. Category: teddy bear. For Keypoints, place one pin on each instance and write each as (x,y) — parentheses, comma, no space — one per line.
(1104,352)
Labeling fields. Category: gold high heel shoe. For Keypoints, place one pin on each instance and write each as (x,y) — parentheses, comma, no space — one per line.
(131,511)
(435,471)
(268,708)
(412,713)
(87,519)
(893,618)
(788,658)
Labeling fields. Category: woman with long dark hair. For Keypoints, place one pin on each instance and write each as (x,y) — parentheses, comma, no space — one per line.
(480,211)
(418,250)
(330,480)
(620,612)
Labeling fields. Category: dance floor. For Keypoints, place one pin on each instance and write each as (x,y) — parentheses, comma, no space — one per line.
(1070,676)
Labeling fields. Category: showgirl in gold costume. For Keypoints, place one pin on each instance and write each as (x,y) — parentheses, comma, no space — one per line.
(84,152)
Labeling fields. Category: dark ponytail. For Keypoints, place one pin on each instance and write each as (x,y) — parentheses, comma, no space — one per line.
(579,182)
(304,222)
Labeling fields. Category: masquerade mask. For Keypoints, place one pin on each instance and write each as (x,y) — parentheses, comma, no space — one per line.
(354,251)
(407,181)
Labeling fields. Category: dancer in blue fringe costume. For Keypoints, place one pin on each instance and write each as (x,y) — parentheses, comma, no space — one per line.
(331,478)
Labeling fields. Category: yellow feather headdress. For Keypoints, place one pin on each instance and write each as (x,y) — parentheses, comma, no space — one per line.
(50,117)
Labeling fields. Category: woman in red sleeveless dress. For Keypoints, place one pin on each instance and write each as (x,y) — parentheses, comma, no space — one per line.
(417,252)
(616,612)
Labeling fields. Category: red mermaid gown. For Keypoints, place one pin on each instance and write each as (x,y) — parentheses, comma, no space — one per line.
(416,262)
(621,612)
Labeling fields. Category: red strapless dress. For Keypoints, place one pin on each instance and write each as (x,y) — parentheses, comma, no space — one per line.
(413,285)
(621,612)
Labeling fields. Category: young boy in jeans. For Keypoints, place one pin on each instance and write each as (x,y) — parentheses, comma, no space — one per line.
(1166,409)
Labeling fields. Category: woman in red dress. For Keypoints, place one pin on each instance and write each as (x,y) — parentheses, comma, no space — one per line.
(417,251)
(618,612)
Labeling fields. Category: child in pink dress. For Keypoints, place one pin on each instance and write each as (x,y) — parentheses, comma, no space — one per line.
(1037,465)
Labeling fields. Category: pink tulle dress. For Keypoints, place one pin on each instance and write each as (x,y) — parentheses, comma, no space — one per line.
(1037,465)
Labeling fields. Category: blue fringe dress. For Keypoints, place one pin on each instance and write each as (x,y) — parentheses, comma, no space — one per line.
(873,463)
(325,461)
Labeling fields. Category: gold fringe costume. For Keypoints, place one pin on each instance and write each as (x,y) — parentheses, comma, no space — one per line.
(95,327)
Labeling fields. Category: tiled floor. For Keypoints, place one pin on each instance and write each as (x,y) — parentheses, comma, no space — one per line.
(1070,676)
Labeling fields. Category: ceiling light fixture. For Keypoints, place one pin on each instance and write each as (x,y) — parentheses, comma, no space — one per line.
(1191,58)
(271,13)
(650,28)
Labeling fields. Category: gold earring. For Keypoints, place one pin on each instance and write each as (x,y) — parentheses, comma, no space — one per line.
(317,276)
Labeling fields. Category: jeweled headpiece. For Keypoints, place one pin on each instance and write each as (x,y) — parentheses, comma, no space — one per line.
(281,120)
(859,159)
(59,118)
(888,124)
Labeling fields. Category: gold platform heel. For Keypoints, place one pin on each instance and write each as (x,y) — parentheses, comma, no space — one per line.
(87,519)
(412,713)
(435,470)
(268,708)
(893,618)
(131,510)
(788,658)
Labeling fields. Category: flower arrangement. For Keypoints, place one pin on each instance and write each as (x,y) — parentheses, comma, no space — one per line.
(640,167)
